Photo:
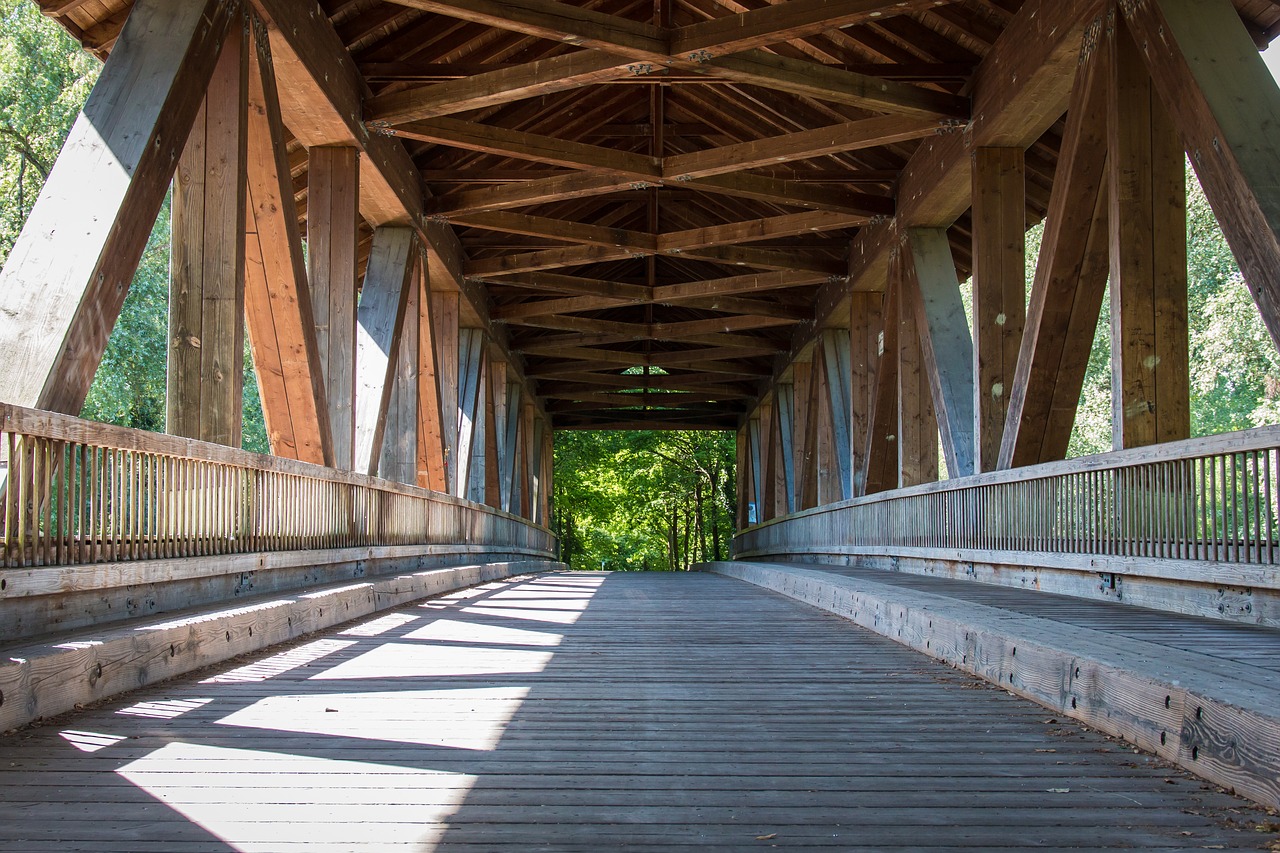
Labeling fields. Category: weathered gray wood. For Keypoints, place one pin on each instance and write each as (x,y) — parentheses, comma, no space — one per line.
(945,341)
(444,322)
(507,407)
(469,415)
(333,194)
(440,725)
(399,458)
(1150,397)
(380,322)
(999,291)
(785,400)
(51,678)
(755,499)
(1213,717)
(204,379)
(67,275)
(835,345)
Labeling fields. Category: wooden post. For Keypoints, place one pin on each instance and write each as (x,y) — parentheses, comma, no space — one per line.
(491,484)
(444,320)
(766,499)
(866,331)
(999,292)
(204,392)
(1071,275)
(527,474)
(432,450)
(332,219)
(278,313)
(507,400)
(399,457)
(1207,71)
(917,422)
(537,470)
(804,436)
(742,476)
(67,275)
(882,439)
(470,409)
(754,498)
(380,321)
(836,357)
(929,283)
(1146,180)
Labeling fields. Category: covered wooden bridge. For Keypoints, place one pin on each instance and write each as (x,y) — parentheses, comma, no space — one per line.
(449,228)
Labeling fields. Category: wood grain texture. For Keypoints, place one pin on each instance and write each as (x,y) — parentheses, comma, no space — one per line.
(1147,219)
(588,712)
(1209,715)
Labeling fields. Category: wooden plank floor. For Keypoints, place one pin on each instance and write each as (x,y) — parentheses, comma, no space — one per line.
(1255,645)
(594,712)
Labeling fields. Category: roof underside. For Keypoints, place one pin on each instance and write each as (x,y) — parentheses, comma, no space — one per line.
(651,265)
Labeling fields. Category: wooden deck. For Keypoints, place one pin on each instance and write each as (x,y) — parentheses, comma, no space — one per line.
(594,712)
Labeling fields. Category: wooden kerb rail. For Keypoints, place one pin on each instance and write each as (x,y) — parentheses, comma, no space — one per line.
(1190,526)
(103,523)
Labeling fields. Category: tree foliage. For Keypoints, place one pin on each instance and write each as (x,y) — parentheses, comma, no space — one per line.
(643,499)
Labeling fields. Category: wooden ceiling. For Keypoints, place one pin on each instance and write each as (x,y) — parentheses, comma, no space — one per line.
(653,192)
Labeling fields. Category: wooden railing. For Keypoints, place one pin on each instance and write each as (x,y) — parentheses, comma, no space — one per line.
(1209,502)
(78,492)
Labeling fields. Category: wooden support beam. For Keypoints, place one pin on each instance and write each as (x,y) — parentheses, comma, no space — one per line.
(278,313)
(801,145)
(742,457)
(929,279)
(487,139)
(755,501)
(814,80)
(492,88)
(486,477)
(205,371)
(556,21)
(1071,276)
(785,401)
(469,415)
(67,275)
(1226,105)
(773,24)
(432,451)
(399,457)
(540,469)
(1019,90)
(881,454)
(999,292)
(444,320)
(767,503)
(333,192)
(837,361)
(554,229)
(525,473)
(1147,218)
(804,436)
(380,322)
(917,432)
(322,93)
(507,401)
(866,343)
(733,233)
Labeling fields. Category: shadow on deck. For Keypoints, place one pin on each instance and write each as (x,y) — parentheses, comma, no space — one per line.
(592,712)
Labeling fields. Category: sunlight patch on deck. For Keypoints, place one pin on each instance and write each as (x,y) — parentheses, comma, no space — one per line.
(275,665)
(463,718)
(405,660)
(257,800)
(473,632)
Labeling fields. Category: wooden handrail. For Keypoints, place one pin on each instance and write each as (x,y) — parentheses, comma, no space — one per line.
(79,492)
(1214,499)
